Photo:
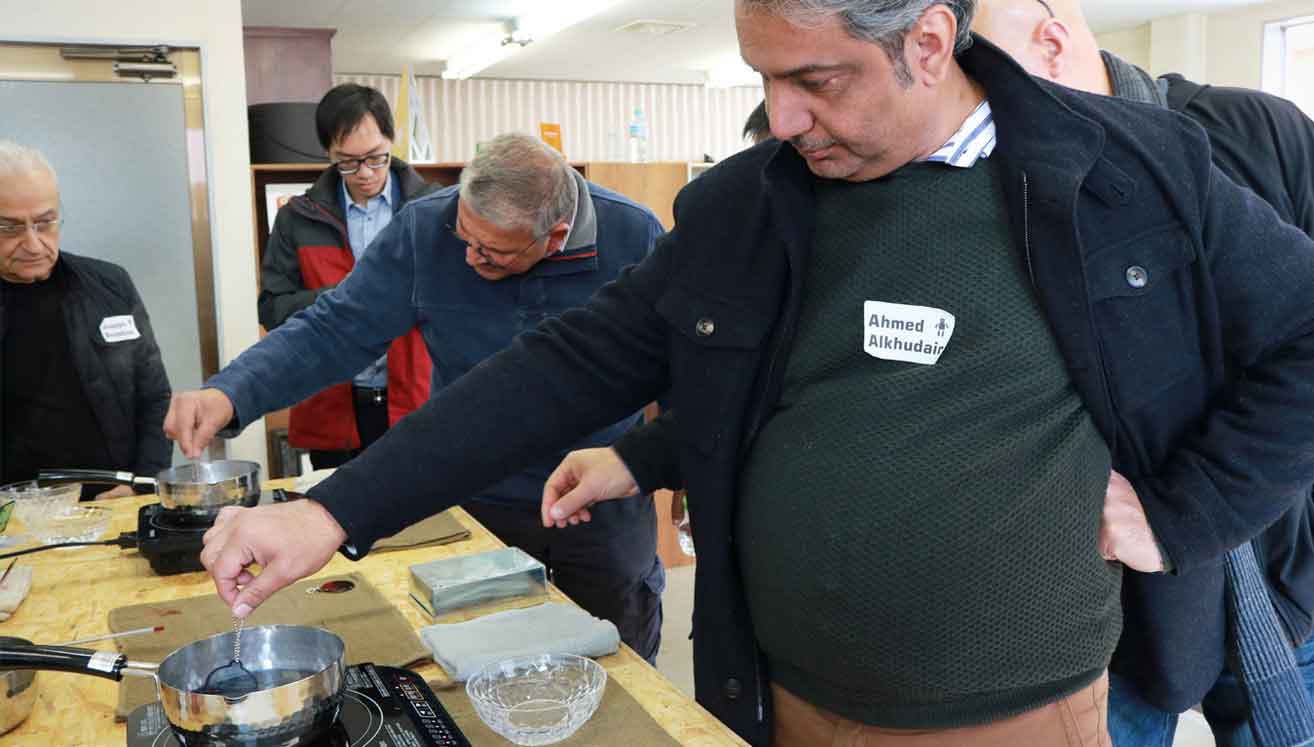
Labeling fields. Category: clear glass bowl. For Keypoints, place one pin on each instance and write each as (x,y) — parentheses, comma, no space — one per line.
(71,524)
(33,504)
(537,700)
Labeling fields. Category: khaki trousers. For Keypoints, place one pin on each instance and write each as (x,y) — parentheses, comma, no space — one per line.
(1079,720)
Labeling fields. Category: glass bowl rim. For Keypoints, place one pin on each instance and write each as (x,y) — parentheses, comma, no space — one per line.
(592,667)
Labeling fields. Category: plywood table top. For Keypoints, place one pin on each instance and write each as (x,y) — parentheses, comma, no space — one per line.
(74,590)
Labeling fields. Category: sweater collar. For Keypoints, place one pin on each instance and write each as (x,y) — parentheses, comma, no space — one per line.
(1130,82)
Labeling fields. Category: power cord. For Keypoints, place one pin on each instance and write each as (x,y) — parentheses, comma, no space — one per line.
(127,540)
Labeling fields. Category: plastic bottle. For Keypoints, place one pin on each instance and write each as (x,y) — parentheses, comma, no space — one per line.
(686,538)
(684,534)
(638,137)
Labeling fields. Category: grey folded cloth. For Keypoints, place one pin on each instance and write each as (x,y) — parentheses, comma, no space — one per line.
(462,649)
(15,588)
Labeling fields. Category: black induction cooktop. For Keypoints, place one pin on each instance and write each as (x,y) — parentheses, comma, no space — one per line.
(169,541)
(382,707)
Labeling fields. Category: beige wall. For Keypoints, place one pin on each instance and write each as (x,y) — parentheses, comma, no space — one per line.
(1229,45)
(1178,45)
(1236,40)
(1303,66)
(1132,45)
(216,27)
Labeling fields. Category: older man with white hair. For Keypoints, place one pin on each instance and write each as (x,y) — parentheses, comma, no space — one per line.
(522,239)
(81,377)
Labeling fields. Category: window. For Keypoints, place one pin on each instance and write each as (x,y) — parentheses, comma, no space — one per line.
(1289,61)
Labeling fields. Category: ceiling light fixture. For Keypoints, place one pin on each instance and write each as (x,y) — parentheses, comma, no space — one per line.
(652,27)
(545,20)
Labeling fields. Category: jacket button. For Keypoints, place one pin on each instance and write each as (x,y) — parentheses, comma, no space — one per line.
(705,327)
(733,689)
(1137,276)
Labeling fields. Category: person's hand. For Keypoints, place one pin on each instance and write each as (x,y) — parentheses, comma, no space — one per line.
(122,491)
(194,417)
(1125,534)
(582,479)
(289,541)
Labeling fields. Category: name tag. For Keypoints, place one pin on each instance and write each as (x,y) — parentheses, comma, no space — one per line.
(911,334)
(119,328)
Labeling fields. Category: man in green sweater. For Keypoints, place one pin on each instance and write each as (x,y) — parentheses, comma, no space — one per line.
(1256,139)
(929,380)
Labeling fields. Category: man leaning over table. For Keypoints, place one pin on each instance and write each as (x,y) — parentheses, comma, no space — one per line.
(522,239)
(955,342)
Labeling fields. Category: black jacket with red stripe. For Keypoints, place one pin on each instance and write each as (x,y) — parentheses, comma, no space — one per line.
(308,253)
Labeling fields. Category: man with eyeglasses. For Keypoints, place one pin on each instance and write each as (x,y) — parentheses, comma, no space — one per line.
(317,239)
(82,383)
(522,239)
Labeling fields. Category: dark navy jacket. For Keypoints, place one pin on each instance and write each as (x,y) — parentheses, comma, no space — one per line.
(1201,381)
(414,274)
(1266,143)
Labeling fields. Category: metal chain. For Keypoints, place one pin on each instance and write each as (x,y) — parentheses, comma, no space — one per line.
(238,622)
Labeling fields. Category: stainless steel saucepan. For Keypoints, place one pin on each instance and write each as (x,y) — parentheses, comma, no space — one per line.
(299,671)
(202,488)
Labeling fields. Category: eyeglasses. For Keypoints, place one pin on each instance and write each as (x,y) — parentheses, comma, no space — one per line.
(487,254)
(42,227)
(348,166)
(1048,9)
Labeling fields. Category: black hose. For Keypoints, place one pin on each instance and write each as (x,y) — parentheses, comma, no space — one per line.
(127,539)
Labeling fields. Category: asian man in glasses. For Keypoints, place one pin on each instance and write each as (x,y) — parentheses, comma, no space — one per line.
(317,238)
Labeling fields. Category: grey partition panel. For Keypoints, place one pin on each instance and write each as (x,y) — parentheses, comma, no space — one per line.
(120,152)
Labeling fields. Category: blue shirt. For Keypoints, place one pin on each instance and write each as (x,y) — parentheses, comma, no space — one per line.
(363,224)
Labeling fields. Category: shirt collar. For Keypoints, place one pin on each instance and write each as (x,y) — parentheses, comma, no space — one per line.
(386,195)
(580,250)
(583,232)
(974,140)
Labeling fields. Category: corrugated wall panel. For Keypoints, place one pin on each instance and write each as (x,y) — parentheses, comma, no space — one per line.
(684,122)
(389,85)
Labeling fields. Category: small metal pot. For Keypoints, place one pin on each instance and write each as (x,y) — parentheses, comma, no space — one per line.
(200,489)
(18,690)
(301,666)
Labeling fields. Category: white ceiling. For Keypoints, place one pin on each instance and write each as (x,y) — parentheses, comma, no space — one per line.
(379,36)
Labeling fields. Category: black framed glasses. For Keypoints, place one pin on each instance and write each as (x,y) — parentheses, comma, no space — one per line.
(507,257)
(42,227)
(348,166)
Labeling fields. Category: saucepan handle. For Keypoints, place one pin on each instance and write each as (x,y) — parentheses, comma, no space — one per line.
(107,664)
(95,476)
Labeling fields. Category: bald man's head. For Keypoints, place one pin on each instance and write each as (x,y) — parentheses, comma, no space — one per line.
(1050,38)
